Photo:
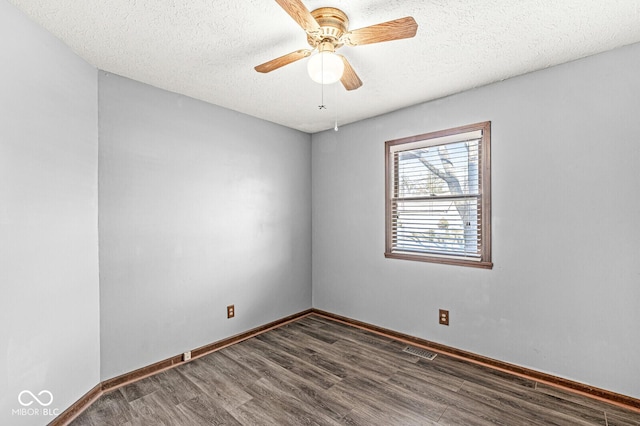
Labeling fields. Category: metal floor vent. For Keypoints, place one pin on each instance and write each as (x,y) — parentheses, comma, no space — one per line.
(422,353)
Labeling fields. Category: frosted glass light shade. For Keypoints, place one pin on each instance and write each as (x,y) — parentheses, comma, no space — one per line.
(325,67)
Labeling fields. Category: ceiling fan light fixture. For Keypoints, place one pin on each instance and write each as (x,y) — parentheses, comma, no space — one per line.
(327,29)
(325,67)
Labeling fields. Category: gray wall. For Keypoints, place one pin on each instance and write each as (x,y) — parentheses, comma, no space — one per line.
(563,296)
(200,207)
(49,306)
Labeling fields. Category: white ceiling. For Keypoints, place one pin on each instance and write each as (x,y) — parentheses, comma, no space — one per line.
(207,49)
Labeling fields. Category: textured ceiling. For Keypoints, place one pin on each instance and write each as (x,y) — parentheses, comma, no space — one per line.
(207,49)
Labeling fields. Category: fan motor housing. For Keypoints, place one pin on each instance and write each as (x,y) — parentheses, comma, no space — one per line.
(333,24)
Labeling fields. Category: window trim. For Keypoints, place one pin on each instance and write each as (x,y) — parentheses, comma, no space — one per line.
(485,159)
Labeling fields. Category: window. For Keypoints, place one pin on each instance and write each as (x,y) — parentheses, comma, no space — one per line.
(438,197)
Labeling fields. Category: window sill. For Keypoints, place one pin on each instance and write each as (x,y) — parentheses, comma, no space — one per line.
(441,260)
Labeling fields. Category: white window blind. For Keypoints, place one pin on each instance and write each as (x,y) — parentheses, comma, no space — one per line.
(435,204)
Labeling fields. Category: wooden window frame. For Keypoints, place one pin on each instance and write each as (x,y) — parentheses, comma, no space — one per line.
(484,260)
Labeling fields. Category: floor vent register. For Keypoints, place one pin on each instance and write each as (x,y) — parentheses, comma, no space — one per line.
(422,353)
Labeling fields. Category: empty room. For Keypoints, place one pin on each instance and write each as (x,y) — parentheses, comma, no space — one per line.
(319,212)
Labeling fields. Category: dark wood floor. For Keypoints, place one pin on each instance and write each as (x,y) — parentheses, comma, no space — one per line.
(319,372)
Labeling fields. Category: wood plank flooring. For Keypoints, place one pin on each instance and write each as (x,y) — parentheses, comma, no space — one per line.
(315,371)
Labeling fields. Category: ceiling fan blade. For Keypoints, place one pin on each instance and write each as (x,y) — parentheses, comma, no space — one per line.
(350,79)
(274,64)
(392,30)
(301,15)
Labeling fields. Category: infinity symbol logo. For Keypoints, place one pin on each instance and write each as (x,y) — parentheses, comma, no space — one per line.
(35,398)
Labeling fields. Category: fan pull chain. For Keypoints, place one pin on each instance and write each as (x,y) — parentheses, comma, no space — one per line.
(335,127)
(322,105)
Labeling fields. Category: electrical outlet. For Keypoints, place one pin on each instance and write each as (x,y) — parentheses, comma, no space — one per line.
(186,356)
(231,311)
(444,317)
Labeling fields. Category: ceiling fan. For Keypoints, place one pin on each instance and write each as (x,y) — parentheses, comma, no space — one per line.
(327,30)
